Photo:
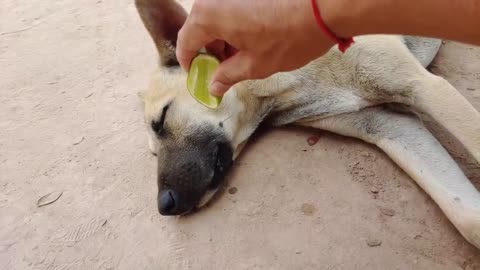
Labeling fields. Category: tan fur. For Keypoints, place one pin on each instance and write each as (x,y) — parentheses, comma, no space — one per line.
(344,93)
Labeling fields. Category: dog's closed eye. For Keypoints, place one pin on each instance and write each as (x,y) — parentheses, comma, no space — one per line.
(158,126)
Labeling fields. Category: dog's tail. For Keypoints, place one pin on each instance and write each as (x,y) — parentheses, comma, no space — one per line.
(437,99)
(424,49)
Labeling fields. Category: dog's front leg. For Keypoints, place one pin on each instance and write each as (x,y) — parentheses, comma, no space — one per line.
(415,150)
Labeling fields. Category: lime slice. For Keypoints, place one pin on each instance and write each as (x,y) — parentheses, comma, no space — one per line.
(201,70)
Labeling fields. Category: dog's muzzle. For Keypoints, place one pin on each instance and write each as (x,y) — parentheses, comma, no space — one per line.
(190,175)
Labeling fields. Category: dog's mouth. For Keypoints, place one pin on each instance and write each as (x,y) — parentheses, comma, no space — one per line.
(223,162)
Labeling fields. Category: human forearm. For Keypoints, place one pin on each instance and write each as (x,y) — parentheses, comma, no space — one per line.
(255,39)
(449,19)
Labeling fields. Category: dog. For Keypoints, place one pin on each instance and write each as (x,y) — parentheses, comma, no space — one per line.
(379,91)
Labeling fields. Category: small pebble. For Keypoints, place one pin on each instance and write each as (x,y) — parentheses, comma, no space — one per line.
(232,190)
(365,154)
(387,211)
(374,190)
(308,209)
(373,242)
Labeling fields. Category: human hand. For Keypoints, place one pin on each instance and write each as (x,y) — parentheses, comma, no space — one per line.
(253,39)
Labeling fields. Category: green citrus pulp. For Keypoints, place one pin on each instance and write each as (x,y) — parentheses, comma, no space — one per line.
(201,70)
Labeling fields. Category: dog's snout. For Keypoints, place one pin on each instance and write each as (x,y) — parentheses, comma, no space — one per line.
(167,202)
(190,171)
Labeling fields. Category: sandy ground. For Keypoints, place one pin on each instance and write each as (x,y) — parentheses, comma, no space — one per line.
(70,122)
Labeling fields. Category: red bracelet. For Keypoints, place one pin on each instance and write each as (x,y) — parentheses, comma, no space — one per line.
(343,43)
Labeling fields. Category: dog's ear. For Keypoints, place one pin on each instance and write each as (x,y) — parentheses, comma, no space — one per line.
(163,19)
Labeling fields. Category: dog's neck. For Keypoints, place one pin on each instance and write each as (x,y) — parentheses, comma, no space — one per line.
(310,93)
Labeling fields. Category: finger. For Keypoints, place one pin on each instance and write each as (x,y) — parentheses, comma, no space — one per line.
(190,40)
(230,72)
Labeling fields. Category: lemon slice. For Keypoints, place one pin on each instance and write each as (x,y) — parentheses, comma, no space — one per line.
(201,70)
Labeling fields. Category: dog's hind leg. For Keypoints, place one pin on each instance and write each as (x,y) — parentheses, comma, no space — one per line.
(397,75)
(408,143)
(438,99)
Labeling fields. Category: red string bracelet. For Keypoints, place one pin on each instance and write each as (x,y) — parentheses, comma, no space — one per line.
(343,43)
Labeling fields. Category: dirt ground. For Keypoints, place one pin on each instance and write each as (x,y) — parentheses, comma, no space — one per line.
(70,122)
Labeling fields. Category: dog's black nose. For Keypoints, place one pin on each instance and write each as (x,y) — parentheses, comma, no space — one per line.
(166,202)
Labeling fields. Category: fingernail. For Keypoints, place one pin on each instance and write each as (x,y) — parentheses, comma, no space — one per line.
(218,89)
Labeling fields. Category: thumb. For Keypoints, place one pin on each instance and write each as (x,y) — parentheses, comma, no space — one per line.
(231,71)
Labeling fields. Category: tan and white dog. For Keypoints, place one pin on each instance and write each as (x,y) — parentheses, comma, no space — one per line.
(366,93)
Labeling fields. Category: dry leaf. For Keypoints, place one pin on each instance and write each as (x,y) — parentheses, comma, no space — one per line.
(79,141)
(49,198)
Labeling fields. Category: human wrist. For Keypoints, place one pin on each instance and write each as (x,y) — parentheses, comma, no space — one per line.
(343,42)
(348,18)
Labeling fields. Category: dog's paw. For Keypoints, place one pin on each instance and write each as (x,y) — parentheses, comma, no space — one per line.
(474,236)
(470,229)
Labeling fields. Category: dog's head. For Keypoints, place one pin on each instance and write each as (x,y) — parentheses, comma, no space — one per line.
(195,145)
